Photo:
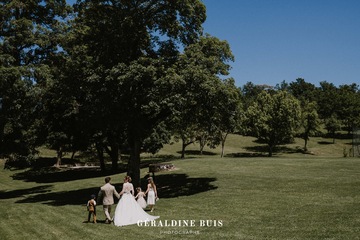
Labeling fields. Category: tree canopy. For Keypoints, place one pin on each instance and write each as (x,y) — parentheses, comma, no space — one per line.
(125,76)
(274,117)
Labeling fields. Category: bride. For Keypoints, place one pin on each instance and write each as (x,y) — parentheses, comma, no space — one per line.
(128,211)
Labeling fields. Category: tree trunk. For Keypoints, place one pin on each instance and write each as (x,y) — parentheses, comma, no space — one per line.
(183,149)
(223,139)
(305,147)
(2,121)
(58,157)
(73,155)
(222,148)
(134,162)
(114,155)
(184,145)
(202,143)
(100,152)
(271,150)
(119,155)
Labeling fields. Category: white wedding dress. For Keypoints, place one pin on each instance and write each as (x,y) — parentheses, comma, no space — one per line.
(128,211)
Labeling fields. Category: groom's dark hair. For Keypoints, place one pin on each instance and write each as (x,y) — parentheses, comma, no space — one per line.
(107,179)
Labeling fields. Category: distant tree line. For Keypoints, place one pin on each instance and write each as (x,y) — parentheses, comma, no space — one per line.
(299,109)
(128,76)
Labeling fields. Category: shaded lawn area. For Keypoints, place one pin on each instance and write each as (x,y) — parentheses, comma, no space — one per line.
(254,198)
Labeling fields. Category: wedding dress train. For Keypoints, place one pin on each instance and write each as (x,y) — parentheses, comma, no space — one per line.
(128,211)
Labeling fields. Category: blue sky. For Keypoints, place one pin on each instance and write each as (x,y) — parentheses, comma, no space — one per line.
(276,40)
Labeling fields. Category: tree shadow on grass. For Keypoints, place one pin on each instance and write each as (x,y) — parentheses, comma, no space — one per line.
(51,175)
(285,149)
(145,162)
(46,174)
(246,155)
(168,186)
(23,192)
(49,162)
(263,151)
(197,152)
(325,142)
(74,197)
(175,185)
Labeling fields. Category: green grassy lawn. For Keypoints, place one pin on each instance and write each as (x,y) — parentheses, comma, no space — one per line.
(288,196)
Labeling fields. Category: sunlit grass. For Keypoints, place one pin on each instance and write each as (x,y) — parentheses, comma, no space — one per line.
(288,196)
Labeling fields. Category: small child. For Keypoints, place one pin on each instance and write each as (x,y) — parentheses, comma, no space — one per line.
(140,198)
(91,207)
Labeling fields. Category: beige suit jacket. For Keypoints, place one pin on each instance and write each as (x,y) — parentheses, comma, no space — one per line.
(107,193)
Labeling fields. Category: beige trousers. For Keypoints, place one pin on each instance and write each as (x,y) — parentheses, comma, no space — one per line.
(107,210)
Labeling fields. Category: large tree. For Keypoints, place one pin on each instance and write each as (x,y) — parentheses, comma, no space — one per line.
(349,110)
(274,118)
(310,121)
(203,93)
(328,100)
(129,45)
(29,39)
(228,115)
(144,113)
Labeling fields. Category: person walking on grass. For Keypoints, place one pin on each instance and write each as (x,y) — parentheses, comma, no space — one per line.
(107,193)
(91,207)
(151,194)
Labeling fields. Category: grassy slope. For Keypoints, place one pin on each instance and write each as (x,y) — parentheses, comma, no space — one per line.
(289,196)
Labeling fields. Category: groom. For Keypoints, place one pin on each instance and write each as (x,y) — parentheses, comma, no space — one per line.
(107,193)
